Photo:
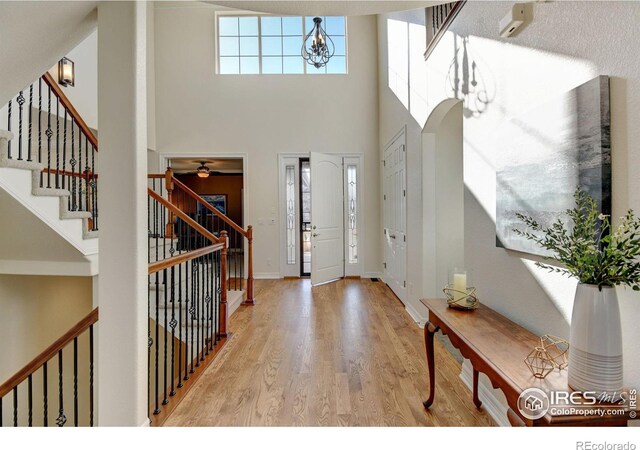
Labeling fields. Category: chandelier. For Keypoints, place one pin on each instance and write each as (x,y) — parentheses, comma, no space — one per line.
(317,47)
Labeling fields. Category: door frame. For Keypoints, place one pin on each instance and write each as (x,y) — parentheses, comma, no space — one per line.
(163,160)
(286,270)
(401,134)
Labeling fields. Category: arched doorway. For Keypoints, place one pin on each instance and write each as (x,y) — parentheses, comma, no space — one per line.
(442,195)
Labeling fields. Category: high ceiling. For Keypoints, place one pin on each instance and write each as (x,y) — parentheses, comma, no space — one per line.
(325,8)
(187,165)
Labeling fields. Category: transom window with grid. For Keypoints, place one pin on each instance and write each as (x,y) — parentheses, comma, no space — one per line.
(272,45)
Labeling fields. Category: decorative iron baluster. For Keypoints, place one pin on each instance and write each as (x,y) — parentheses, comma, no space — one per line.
(90,375)
(173,324)
(20,100)
(1,411)
(75,382)
(45,396)
(80,171)
(94,190)
(30,399)
(157,340)
(49,134)
(165,400)
(179,320)
(30,122)
(9,128)
(57,177)
(62,419)
(64,149)
(72,162)
(40,125)
(15,406)
(192,312)
(86,174)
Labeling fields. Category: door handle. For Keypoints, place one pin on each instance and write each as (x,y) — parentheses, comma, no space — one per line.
(392,236)
(315,234)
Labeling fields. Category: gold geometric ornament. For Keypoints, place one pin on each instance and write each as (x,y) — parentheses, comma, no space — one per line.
(557,349)
(539,362)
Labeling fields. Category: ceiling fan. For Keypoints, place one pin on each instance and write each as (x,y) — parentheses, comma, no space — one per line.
(202,171)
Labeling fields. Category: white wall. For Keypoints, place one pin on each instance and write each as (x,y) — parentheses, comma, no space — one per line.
(567,44)
(198,111)
(84,94)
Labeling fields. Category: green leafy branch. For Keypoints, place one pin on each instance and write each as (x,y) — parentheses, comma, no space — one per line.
(589,248)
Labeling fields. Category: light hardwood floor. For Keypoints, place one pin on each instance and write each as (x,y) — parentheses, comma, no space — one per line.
(341,354)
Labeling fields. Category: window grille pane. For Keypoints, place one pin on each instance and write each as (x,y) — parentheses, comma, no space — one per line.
(334,26)
(291,214)
(272,64)
(249,65)
(228,26)
(292,46)
(292,64)
(229,46)
(339,43)
(352,218)
(229,65)
(271,26)
(337,64)
(292,26)
(249,46)
(248,26)
(271,46)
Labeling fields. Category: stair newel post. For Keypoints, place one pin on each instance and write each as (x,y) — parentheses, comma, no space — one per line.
(223,284)
(250,262)
(168,182)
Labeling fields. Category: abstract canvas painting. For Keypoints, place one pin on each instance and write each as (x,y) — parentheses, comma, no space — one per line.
(545,153)
(218,201)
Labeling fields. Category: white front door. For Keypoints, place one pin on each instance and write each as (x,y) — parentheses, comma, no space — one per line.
(395,201)
(327,224)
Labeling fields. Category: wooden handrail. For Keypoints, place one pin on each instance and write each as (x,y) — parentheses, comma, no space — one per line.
(211,208)
(184,257)
(49,352)
(155,175)
(178,212)
(57,90)
(70,174)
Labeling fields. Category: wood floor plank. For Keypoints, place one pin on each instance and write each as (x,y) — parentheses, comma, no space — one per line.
(342,354)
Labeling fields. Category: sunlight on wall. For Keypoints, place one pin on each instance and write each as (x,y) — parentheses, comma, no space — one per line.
(397,39)
(558,287)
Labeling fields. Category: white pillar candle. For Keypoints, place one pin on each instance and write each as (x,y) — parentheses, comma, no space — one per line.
(459,286)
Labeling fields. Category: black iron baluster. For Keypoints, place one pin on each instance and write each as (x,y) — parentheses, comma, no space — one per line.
(15,406)
(90,375)
(173,324)
(49,134)
(20,101)
(75,382)
(196,284)
(157,340)
(64,149)
(192,311)
(72,162)
(86,174)
(218,291)
(1,412)
(94,190)
(30,122)
(187,312)
(30,399)
(9,129)
(149,339)
(165,400)
(180,321)
(80,170)
(57,177)
(62,419)
(40,125)
(45,396)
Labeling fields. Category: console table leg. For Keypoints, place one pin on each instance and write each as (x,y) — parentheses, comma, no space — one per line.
(429,331)
(476,399)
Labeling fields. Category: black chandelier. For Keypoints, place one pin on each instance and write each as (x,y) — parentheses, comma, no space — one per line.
(317,47)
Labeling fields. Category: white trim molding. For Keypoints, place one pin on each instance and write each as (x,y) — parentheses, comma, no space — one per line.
(415,315)
(266,276)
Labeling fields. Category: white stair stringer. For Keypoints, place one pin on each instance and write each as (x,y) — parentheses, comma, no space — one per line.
(21,179)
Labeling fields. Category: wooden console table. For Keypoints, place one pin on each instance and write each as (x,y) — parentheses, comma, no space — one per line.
(497,347)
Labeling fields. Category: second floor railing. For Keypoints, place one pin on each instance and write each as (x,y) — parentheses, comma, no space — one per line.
(49,130)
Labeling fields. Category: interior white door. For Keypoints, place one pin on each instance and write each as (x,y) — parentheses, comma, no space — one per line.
(327,224)
(395,229)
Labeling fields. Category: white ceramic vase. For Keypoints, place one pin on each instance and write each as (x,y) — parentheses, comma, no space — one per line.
(595,354)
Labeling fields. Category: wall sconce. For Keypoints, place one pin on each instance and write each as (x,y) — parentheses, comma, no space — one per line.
(66,72)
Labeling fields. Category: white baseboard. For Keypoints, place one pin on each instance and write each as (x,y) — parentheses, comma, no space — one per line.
(415,315)
(266,276)
(492,404)
(146,423)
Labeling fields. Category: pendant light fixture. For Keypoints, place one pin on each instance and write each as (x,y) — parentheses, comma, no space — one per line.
(317,47)
(202,171)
